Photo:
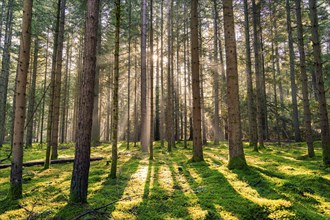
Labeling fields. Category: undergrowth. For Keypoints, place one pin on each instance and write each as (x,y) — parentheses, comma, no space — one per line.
(280,183)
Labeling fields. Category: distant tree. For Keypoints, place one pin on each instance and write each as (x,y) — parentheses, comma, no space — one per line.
(79,180)
(151,148)
(15,191)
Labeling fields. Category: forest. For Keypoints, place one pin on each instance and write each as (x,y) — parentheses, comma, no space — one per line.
(164,109)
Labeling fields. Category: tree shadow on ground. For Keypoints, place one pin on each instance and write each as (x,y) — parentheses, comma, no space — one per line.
(159,203)
(111,190)
(216,194)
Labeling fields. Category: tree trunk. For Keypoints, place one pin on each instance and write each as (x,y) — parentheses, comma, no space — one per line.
(15,191)
(216,128)
(236,153)
(169,108)
(151,148)
(4,75)
(295,117)
(185,134)
(162,101)
(258,71)
(79,181)
(253,136)
(304,81)
(52,86)
(96,119)
(32,92)
(115,108)
(197,139)
(324,120)
(144,121)
(129,73)
(57,86)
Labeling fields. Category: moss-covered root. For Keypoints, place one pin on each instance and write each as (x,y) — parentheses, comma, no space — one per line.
(237,163)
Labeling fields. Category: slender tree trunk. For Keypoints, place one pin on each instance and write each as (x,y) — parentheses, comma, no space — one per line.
(136,120)
(216,128)
(151,148)
(304,81)
(169,115)
(144,121)
(96,118)
(197,139)
(236,153)
(258,71)
(79,181)
(45,90)
(253,135)
(3,5)
(185,135)
(32,93)
(162,101)
(157,117)
(4,75)
(324,120)
(115,110)
(15,191)
(57,86)
(52,86)
(129,73)
(295,117)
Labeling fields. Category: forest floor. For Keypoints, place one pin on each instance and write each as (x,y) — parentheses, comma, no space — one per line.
(281,183)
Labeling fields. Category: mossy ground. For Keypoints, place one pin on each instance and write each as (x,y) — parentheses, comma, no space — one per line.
(281,183)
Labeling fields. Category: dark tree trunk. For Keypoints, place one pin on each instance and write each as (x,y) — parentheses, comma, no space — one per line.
(197,139)
(151,148)
(79,181)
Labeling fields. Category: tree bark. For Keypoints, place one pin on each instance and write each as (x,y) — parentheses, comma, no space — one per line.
(129,73)
(295,117)
(79,181)
(304,81)
(324,120)
(144,121)
(15,191)
(4,75)
(236,153)
(197,139)
(115,108)
(253,135)
(32,92)
(151,148)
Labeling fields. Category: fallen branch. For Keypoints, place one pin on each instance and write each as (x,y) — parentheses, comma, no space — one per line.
(33,163)
(101,207)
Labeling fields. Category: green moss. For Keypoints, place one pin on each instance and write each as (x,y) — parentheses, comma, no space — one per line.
(237,163)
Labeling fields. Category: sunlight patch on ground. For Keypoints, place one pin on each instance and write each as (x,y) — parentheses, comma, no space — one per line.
(135,188)
(225,214)
(165,180)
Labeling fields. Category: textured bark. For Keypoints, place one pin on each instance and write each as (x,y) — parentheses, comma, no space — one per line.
(169,103)
(151,138)
(304,81)
(52,88)
(253,135)
(79,181)
(197,138)
(258,71)
(115,108)
(295,117)
(144,121)
(57,85)
(162,100)
(32,92)
(4,75)
(15,191)
(216,125)
(236,153)
(129,73)
(185,125)
(324,120)
(96,110)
